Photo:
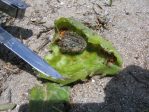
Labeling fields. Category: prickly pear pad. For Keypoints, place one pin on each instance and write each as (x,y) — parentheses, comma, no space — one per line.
(49,97)
(99,57)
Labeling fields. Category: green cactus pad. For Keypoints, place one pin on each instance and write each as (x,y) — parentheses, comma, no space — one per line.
(99,57)
(48,98)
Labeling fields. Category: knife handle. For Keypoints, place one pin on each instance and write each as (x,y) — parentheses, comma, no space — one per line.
(14,8)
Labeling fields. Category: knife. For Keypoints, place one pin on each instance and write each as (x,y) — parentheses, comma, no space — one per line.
(14,8)
(18,8)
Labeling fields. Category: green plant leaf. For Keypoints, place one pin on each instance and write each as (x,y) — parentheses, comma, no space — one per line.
(7,106)
(99,57)
(50,97)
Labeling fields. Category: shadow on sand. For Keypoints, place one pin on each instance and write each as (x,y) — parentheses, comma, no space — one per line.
(18,32)
(126,92)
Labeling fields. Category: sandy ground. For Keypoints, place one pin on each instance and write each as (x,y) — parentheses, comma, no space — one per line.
(128,29)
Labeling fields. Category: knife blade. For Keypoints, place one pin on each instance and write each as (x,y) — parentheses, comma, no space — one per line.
(27,55)
(15,8)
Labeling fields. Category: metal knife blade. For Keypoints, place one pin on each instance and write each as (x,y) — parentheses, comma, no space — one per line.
(27,55)
(15,8)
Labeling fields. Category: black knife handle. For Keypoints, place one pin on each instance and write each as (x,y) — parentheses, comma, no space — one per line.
(14,8)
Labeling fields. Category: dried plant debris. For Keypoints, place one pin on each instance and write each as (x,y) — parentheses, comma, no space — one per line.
(6,107)
(79,52)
